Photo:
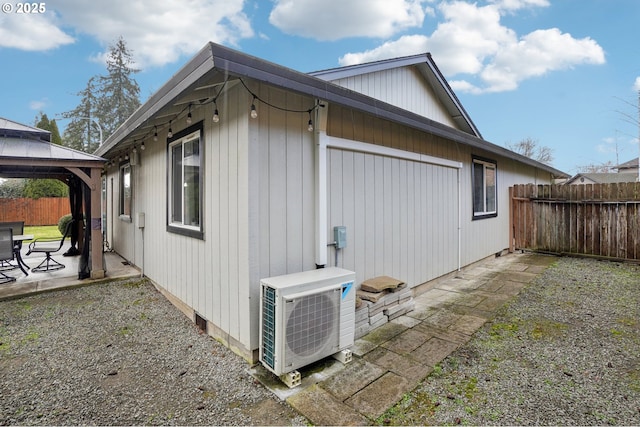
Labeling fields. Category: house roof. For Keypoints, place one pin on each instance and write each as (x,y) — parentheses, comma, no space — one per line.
(427,68)
(201,79)
(26,152)
(603,178)
(631,164)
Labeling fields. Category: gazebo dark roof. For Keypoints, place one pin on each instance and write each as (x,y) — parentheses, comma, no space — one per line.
(9,128)
(26,152)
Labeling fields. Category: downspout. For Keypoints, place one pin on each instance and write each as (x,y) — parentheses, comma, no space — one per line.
(320,140)
(459,222)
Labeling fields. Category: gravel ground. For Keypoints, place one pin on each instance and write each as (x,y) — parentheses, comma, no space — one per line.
(120,354)
(566,351)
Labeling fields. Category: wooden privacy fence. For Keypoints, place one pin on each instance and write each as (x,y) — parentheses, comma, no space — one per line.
(594,219)
(43,211)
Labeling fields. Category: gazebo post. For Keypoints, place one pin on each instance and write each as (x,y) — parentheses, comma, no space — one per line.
(97,265)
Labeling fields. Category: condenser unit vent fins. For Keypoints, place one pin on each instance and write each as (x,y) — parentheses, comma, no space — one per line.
(269,326)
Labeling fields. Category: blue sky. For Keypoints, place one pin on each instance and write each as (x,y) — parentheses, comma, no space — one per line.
(565,73)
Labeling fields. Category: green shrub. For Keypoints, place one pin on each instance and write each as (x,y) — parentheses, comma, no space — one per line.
(63,221)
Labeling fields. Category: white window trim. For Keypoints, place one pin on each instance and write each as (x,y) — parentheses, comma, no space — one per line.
(121,214)
(180,227)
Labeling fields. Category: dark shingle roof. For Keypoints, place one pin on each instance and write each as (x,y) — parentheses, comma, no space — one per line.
(26,152)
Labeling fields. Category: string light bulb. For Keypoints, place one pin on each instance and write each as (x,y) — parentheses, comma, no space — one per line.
(189,118)
(310,124)
(170,133)
(155,135)
(142,147)
(216,116)
(254,113)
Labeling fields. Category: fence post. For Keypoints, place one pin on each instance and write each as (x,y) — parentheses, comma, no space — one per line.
(511,220)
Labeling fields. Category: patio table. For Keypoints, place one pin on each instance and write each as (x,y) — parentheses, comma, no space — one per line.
(21,263)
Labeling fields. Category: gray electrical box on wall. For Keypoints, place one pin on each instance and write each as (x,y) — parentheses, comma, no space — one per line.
(140,219)
(340,236)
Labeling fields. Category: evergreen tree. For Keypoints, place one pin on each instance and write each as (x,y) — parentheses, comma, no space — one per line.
(119,93)
(105,103)
(82,133)
(36,188)
(43,122)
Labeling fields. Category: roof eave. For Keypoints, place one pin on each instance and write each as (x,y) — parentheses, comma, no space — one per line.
(198,66)
(444,84)
(233,62)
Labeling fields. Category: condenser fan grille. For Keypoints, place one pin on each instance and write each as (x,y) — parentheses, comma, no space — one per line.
(269,326)
(312,323)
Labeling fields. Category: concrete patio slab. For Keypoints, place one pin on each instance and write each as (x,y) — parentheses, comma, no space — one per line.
(392,360)
(377,397)
(116,267)
(321,408)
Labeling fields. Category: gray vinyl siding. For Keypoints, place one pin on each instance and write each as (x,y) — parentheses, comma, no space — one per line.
(259,207)
(285,168)
(211,276)
(282,200)
(400,216)
(403,87)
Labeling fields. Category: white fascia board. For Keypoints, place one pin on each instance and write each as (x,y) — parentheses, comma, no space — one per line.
(363,147)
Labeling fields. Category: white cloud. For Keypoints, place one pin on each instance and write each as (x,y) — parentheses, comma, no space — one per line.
(513,5)
(404,46)
(32,32)
(157,32)
(636,84)
(481,54)
(610,146)
(39,104)
(338,19)
(536,54)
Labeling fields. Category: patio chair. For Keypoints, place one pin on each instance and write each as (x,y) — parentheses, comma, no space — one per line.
(6,252)
(18,228)
(49,246)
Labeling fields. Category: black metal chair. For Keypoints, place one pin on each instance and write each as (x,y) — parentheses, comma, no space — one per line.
(6,252)
(49,246)
(18,228)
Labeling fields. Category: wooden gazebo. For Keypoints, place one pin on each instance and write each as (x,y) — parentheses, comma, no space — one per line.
(27,152)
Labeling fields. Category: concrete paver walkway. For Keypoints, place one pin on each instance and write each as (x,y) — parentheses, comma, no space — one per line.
(393,359)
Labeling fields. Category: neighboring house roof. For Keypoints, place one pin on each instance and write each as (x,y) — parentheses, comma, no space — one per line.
(428,69)
(631,164)
(204,75)
(602,178)
(26,152)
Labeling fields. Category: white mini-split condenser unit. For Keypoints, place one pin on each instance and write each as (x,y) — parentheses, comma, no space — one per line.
(305,317)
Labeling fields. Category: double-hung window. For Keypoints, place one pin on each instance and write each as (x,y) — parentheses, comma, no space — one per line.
(484,188)
(125,191)
(184,207)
